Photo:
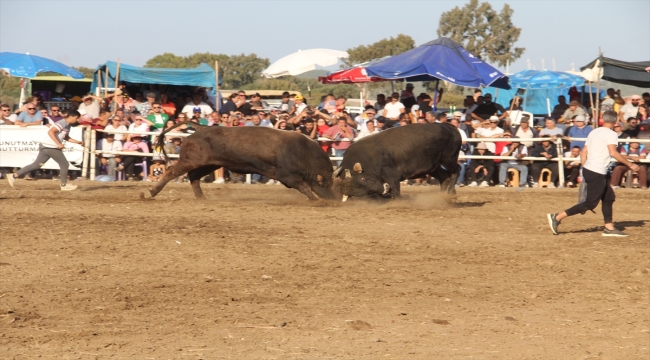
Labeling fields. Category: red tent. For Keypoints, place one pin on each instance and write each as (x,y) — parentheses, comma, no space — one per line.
(348,76)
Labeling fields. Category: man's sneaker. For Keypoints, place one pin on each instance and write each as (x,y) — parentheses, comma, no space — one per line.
(68,187)
(502,185)
(551,186)
(472,184)
(569,184)
(535,185)
(614,232)
(484,184)
(11,180)
(460,184)
(553,222)
(616,187)
(270,182)
(220,181)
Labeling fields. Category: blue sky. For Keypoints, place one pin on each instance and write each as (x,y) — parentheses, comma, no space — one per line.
(87,33)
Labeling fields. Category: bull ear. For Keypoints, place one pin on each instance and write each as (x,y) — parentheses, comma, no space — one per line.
(347,173)
(358,168)
(336,172)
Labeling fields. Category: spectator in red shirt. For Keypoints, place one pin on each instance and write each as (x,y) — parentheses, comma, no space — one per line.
(338,132)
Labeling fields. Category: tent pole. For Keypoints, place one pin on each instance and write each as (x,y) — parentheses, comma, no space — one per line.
(216,86)
(435,96)
(23,83)
(591,100)
(219,173)
(117,76)
(548,105)
(105,83)
(98,76)
(600,54)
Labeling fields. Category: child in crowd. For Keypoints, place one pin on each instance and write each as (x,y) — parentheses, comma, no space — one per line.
(157,170)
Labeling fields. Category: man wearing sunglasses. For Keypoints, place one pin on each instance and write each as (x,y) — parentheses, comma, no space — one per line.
(29,117)
(158,119)
(7,117)
(55,113)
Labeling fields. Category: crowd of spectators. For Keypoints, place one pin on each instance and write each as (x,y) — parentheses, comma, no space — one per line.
(335,129)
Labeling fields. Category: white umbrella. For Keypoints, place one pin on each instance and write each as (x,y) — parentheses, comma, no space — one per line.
(303,61)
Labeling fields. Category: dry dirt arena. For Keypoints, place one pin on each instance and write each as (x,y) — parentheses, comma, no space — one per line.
(260,272)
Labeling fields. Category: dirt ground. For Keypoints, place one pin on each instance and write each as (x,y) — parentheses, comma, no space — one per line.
(259,272)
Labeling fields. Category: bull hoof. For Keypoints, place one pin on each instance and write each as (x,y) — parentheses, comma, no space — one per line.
(146,195)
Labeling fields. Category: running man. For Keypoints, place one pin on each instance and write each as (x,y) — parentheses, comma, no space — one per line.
(595,158)
(51,148)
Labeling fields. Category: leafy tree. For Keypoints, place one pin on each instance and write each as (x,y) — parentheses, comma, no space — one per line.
(9,89)
(483,31)
(88,72)
(235,71)
(385,47)
(306,86)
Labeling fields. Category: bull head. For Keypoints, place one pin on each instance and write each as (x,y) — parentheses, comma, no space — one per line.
(357,168)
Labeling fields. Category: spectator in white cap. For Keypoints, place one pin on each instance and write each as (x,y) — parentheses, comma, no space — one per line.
(631,109)
(493,131)
(579,130)
(524,131)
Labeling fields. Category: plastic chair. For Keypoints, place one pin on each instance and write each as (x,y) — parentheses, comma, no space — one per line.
(515,177)
(542,182)
(143,164)
(515,116)
(627,179)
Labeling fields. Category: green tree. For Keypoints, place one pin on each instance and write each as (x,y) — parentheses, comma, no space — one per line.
(9,89)
(235,71)
(88,72)
(385,47)
(483,31)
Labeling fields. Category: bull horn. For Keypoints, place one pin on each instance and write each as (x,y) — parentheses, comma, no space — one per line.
(336,172)
(386,189)
(345,198)
(347,173)
(319,178)
(358,168)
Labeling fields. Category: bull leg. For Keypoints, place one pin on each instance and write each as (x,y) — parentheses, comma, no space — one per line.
(447,177)
(195,178)
(175,171)
(297,183)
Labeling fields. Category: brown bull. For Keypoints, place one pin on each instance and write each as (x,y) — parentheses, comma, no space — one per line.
(288,157)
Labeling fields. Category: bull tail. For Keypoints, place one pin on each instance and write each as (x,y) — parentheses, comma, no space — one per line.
(160,142)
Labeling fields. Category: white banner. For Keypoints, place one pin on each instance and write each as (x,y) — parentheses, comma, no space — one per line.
(19,146)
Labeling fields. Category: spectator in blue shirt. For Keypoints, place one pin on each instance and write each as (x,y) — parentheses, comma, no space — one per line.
(579,130)
(29,117)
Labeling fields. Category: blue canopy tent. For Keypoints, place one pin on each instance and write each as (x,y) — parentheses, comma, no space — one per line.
(202,75)
(440,59)
(543,82)
(535,98)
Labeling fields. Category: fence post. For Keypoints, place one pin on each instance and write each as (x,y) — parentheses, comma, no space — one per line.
(560,162)
(93,156)
(84,167)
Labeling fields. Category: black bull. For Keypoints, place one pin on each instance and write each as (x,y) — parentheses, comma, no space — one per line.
(376,164)
(286,156)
